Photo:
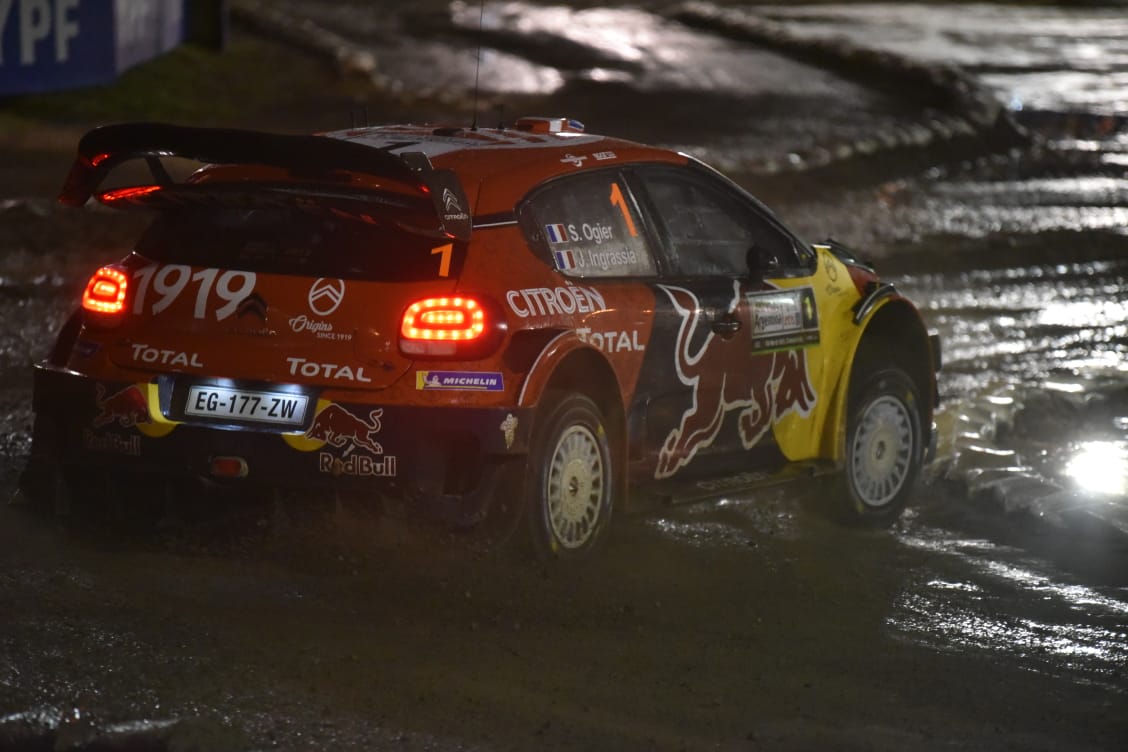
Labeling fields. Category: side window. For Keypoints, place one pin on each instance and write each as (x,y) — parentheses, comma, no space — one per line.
(589,226)
(709,230)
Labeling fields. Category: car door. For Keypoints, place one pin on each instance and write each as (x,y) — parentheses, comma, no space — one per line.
(727,357)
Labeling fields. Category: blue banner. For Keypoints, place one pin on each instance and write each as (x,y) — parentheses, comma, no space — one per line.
(62,44)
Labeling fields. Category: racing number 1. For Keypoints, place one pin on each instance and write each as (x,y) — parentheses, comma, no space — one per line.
(617,200)
(444,262)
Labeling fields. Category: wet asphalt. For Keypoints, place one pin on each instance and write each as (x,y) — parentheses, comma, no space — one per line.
(993,616)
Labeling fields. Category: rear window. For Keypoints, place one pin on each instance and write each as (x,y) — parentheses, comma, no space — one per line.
(285,241)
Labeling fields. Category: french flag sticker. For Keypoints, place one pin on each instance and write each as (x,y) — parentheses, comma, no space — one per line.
(565,260)
(556,233)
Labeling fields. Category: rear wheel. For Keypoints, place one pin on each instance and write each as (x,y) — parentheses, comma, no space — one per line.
(884,447)
(571,478)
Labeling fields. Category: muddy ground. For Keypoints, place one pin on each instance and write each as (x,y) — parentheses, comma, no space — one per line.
(780,633)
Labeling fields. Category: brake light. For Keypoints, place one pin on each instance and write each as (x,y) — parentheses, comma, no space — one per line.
(105,292)
(448,325)
(444,319)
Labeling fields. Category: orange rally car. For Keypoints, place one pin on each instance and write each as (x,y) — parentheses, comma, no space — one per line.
(463,318)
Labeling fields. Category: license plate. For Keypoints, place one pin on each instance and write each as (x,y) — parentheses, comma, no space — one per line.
(278,408)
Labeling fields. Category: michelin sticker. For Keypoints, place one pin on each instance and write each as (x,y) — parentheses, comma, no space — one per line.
(473,381)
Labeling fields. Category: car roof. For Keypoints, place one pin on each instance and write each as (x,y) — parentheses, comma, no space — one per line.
(431,172)
(498,166)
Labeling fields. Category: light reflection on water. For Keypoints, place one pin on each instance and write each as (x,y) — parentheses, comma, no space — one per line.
(991,611)
(625,33)
(1024,323)
(1052,58)
(945,625)
(650,52)
(979,222)
(1075,190)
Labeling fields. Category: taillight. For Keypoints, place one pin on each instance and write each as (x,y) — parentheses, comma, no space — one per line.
(105,292)
(448,326)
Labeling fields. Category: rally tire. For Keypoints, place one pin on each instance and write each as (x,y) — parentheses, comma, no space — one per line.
(571,480)
(884,448)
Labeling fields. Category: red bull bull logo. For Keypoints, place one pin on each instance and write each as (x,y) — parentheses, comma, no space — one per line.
(126,408)
(725,374)
(338,427)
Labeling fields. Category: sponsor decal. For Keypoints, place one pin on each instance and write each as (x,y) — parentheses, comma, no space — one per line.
(452,207)
(474,381)
(252,305)
(783,319)
(126,407)
(763,386)
(509,430)
(560,301)
(318,327)
(603,156)
(358,465)
(573,160)
(111,443)
(325,295)
(831,266)
(611,341)
(338,427)
(142,353)
(556,233)
(311,370)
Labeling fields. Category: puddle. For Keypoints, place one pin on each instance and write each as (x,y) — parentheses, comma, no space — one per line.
(995,599)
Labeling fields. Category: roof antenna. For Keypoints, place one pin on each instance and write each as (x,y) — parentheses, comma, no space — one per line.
(478,65)
(353,116)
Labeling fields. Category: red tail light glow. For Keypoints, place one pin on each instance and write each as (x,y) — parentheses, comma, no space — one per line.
(452,326)
(105,292)
(444,319)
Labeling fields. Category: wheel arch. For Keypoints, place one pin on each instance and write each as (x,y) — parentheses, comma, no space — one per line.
(894,330)
(567,364)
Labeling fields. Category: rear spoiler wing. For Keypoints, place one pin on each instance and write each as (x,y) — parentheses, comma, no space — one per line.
(318,164)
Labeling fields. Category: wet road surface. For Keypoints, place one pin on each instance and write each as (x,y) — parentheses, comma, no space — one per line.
(993,616)
(1055,59)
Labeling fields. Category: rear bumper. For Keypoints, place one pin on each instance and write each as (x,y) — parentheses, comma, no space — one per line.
(441,459)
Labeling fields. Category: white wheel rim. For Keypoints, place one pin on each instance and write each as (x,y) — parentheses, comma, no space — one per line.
(575,487)
(881,455)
